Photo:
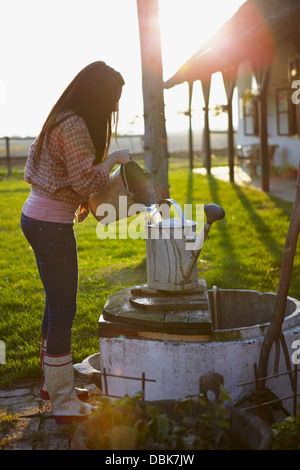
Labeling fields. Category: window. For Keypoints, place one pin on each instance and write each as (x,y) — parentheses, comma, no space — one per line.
(287,113)
(250,112)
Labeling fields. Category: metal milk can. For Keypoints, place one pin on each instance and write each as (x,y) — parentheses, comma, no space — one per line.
(130,182)
(173,248)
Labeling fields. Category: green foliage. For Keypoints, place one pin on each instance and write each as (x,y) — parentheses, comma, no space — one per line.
(7,423)
(130,423)
(286,435)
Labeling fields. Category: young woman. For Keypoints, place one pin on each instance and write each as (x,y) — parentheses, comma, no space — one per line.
(67,162)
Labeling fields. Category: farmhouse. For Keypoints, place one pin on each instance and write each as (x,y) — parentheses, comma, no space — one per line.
(257,51)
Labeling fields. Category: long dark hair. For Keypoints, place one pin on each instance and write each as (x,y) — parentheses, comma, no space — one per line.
(93,94)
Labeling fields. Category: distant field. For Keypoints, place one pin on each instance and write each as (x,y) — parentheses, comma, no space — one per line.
(17,147)
(177,143)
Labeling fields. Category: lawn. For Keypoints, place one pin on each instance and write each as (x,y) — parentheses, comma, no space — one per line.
(243,251)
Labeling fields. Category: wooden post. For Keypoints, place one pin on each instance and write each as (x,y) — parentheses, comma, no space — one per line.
(262,75)
(230,142)
(229,78)
(8,156)
(277,317)
(191,151)
(206,91)
(155,139)
(264,147)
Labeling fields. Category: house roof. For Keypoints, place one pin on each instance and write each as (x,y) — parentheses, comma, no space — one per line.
(250,34)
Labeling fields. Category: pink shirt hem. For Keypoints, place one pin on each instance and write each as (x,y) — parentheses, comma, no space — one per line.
(49,210)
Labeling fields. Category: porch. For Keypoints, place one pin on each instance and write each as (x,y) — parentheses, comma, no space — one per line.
(281,186)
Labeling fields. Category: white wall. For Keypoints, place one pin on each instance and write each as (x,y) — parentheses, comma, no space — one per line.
(288,152)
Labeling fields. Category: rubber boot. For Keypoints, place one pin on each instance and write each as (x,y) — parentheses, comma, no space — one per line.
(82,393)
(59,378)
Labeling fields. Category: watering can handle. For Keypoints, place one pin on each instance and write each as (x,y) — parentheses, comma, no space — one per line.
(177,206)
(124,179)
(213,212)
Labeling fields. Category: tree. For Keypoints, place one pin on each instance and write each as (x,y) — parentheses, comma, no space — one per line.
(155,138)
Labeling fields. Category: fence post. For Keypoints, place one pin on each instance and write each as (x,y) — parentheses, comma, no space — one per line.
(8,156)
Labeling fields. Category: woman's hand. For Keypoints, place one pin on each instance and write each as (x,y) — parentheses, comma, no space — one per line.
(122,157)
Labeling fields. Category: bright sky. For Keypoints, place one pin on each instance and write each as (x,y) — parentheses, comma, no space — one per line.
(44,44)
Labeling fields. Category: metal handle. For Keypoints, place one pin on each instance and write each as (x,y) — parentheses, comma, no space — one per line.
(124,180)
(178,208)
(213,212)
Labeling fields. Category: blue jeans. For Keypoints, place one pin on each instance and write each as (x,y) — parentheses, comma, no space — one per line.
(55,249)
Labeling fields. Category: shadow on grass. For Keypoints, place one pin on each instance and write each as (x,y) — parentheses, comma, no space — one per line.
(285,206)
(263,230)
(190,187)
(228,267)
(114,278)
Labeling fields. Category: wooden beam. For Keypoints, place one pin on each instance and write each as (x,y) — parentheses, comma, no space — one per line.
(229,78)
(191,150)
(155,138)
(264,145)
(206,91)
(262,75)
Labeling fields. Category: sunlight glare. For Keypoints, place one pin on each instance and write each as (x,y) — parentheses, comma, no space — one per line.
(185,26)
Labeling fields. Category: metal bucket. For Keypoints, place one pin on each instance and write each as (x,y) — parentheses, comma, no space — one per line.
(167,245)
(173,249)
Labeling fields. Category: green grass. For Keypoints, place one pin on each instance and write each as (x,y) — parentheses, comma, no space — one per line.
(243,251)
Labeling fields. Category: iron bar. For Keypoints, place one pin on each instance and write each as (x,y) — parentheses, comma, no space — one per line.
(261,404)
(271,401)
(104,373)
(264,378)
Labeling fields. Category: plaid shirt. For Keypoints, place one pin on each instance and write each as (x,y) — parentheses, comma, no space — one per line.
(65,171)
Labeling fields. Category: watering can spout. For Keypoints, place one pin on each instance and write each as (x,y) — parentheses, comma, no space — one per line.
(213,212)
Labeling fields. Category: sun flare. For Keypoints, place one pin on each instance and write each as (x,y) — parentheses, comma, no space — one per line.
(185,26)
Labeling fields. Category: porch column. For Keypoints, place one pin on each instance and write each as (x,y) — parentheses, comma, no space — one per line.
(155,138)
(229,78)
(262,77)
(191,151)
(206,91)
